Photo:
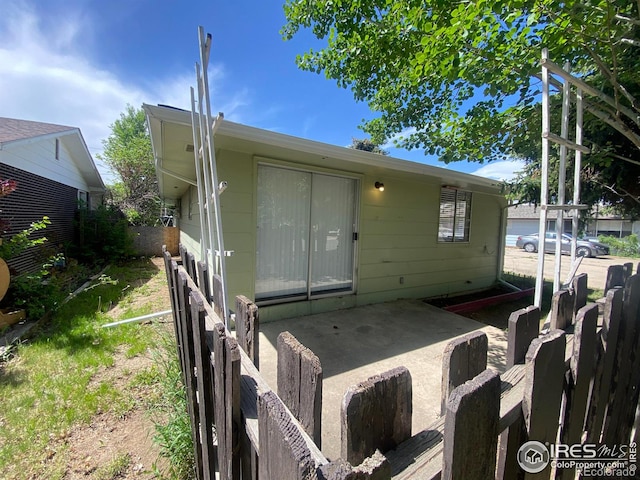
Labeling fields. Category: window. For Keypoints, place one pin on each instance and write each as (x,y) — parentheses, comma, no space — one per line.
(83,200)
(455,215)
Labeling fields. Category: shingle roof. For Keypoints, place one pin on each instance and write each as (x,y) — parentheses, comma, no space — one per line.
(12,129)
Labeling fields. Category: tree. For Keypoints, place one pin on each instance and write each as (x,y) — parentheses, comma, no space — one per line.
(128,152)
(460,79)
(367,145)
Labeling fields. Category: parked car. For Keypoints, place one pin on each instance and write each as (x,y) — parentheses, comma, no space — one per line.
(585,247)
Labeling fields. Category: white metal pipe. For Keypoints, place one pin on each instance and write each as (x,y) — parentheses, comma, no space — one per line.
(577,167)
(197,152)
(142,318)
(544,182)
(562,181)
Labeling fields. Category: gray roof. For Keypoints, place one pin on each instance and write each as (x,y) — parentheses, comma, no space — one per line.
(12,129)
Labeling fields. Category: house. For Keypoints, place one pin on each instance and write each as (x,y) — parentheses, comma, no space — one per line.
(315,227)
(523,219)
(55,174)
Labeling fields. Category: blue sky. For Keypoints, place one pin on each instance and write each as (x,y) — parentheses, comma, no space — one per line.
(79,62)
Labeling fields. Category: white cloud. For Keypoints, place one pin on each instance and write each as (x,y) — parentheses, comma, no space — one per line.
(501,170)
(390,143)
(52,81)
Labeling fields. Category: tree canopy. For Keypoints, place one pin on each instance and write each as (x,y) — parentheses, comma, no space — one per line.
(128,152)
(367,145)
(461,80)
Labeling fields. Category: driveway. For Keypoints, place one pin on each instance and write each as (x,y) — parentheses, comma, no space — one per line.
(518,261)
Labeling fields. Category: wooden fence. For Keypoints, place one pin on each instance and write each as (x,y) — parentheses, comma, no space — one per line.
(574,382)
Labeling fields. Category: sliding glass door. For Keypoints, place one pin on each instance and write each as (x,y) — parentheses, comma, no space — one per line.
(305,241)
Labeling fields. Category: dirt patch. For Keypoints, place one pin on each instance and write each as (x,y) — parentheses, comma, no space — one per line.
(108,438)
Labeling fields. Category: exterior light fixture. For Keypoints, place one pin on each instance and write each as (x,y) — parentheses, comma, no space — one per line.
(379,186)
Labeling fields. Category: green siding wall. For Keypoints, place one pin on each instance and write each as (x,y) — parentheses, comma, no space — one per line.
(397,239)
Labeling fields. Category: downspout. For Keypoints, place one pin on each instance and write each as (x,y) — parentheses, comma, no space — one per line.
(502,248)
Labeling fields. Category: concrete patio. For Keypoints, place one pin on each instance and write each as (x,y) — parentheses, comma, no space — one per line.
(357,343)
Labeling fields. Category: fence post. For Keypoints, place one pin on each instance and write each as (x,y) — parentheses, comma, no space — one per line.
(463,358)
(471,429)
(248,328)
(300,384)
(578,379)
(227,401)
(203,275)
(183,254)
(205,385)
(561,310)
(190,267)
(544,379)
(627,271)
(580,293)
(376,414)
(524,326)
(217,295)
(617,424)
(283,452)
(191,382)
(607,348)
(615,277)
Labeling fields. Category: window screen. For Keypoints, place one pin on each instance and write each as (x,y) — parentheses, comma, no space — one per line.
(455,215)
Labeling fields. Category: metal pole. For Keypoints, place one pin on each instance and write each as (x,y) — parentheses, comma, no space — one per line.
(204,233)
(204,58)
(544,182)
(576,175)
(142,318)
(562,181)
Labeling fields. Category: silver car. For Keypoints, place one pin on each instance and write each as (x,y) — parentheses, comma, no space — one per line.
(585,248)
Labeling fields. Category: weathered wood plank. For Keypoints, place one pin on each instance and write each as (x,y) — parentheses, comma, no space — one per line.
(227,401)
(300,383)
(190,267)
(420,457)
(607,352)
(627,271)
(579,379)
(205,387)
(191,383)
(248,328)
(471,429)
(203,275)
(376,414)
(217,295)
(580,293)
(615,277)
(251,384)
(524,326)
(544,379)
(622,409)
(283,451)
(561,310)
(463,358)
(615,420)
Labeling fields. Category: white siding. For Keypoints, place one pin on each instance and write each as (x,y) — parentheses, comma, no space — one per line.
(38,157)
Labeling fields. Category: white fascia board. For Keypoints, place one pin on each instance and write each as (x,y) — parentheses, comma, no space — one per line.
(258,135)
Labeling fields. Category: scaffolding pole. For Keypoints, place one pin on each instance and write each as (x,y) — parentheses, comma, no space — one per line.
(565,144)
(204,126)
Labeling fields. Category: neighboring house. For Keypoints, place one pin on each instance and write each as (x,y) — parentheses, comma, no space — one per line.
(55,175)
(431,232)
(523,220)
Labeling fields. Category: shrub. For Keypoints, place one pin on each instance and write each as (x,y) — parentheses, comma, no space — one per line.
(624,247)
(103,235)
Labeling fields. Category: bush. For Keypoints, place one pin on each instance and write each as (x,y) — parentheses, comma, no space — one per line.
(624,247)
(103,236)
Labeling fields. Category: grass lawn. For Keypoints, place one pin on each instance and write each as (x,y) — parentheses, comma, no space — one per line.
(74,377)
